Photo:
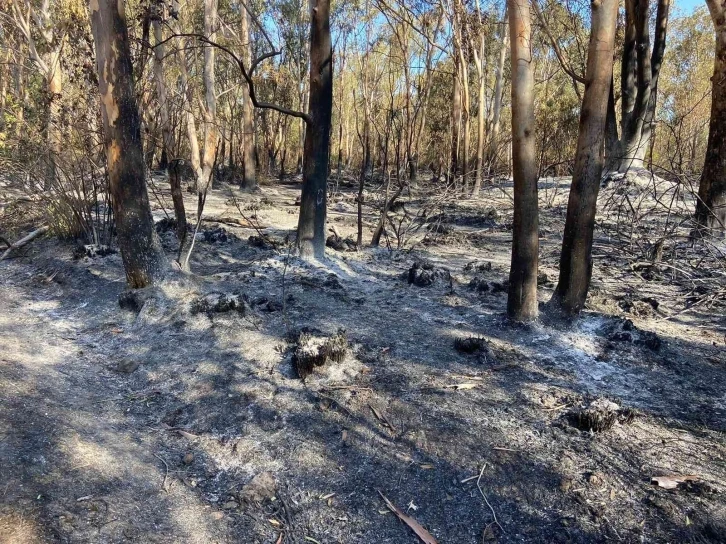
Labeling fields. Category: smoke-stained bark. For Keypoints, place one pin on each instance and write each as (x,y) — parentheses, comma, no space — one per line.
(249,172)
(143,258)
(313,203)
(522,300)
(711,206)
(211,133)
(167,131)
(576,257)
(639,78)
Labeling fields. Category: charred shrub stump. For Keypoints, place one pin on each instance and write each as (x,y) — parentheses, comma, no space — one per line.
(217,303)
(470,345)
(313,351)
(425,274)
(600,416)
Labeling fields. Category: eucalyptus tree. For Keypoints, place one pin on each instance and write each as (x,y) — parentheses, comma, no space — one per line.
(576,257)
(143,258)
(711,206)
(522,298)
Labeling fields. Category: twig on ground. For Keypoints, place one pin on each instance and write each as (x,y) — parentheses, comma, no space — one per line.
(336,401)
(284,285)
(166,473)
(485,498)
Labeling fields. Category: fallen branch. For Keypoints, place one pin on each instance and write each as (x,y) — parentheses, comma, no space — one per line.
(20,243)
(226,220)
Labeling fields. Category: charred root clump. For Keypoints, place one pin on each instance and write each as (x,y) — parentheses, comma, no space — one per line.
(216,236)
(313,351)
(93,250)
(263,242)
(600,416)
(341,244)
(217,303)
(134,299)
(167,224)
(425,274)
(476,266)
(470,345)
(593,420)
(625,331)
(481,285)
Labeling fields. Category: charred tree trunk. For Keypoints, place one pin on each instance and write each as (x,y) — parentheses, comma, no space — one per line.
(576,257)
(656,60)
(190,122)
(313,203)
(612,142)
(481,116)
(639,78)
(167,130)
(211,133)
(249,173)
(455,120)
(143,258)
(496,111)
(711,206)
(522,300)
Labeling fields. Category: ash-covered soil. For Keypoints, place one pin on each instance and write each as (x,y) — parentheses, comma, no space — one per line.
(148,424)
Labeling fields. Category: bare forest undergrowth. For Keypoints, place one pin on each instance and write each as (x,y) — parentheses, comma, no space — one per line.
(149,424)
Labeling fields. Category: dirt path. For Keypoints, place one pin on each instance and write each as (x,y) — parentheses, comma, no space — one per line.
(71,466)
(118,426)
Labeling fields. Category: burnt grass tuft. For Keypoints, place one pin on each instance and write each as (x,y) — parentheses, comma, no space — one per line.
(472,344)
(315,351)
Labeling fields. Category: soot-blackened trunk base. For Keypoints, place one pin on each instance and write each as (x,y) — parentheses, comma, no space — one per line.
(576,257)
(313,203)
(143,258)
(711,206)
(522,300)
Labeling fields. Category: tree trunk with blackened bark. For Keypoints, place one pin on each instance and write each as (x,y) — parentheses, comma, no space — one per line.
(522,299)
(576,257)
(143,258)
(313,203)
(170,147)
(711,206)
(639,79)
(249,173)
(612,142)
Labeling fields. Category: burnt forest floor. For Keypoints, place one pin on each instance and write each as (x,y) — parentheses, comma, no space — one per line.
(148,426)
